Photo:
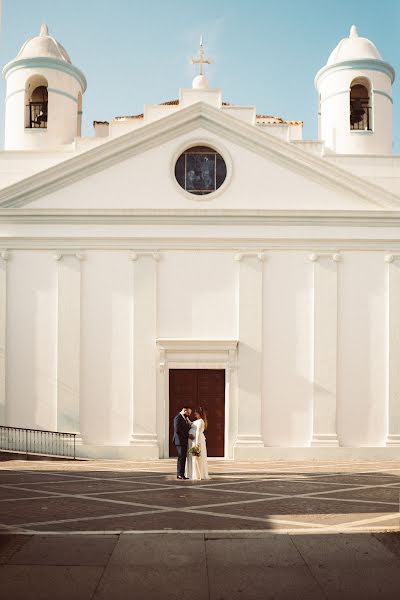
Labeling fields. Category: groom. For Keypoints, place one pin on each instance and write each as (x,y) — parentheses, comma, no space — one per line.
(182,425)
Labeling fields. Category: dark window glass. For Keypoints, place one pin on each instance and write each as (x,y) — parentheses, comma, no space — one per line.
(200,170)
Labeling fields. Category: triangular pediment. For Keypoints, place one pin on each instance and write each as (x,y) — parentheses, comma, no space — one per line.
(279,174)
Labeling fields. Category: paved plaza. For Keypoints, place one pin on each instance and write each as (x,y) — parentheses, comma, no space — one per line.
(112,529)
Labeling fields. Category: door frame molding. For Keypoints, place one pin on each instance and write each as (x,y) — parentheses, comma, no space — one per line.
(184,353)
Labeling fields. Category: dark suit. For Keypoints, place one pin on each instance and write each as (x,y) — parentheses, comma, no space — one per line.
(181,440)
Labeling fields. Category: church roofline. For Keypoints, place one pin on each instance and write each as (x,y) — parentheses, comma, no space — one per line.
(184,121)
(276,120)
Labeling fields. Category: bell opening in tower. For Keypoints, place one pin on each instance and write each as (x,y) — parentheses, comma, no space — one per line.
(360,107)
(36,105)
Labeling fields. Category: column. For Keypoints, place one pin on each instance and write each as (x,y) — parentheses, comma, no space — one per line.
(68,339)
(325,349)
(144,430)
(250,350)
(393,325)
(3,333)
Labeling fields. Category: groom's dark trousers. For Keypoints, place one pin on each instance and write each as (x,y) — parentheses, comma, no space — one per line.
(181,439)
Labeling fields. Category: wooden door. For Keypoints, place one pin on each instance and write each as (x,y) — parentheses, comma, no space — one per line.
(203,388)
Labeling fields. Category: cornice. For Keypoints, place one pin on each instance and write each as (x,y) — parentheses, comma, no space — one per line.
(200,216)
(257,248)
(200,345)
(46,62)
(184,121)
(363,64)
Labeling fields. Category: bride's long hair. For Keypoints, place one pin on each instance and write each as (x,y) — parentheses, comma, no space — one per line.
(203,415)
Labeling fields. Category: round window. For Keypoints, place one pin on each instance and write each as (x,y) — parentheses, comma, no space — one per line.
(200,170)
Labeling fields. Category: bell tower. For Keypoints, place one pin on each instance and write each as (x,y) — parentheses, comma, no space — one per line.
(355,98)
(43,96)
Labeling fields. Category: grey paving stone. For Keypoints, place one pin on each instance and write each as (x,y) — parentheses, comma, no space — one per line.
(342,549)
(391,541)
(246,582)
(48,583)
(351,566)
(176,551)
(66,550)
(378,581)
(261,552)
(152,583)
(9,545)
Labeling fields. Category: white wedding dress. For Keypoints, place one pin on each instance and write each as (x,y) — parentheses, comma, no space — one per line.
(196,466)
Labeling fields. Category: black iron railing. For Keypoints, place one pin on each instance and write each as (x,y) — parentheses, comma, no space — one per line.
(37,441)
(360,114)
(38,115)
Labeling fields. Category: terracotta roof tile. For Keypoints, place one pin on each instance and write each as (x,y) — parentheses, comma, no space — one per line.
(273,120)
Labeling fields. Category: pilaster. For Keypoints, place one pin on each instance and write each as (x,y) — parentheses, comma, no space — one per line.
(3,333)
(68,339)
(393,350)
(250,349)
(144,426)
(325,290)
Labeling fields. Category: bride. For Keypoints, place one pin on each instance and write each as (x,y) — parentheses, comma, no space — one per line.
(197,467)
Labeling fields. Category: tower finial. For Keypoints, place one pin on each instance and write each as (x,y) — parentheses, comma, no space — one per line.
(201,59)
(353,31)
(44,30)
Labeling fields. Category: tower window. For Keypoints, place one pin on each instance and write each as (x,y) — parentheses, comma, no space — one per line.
(36,103)
(360,108)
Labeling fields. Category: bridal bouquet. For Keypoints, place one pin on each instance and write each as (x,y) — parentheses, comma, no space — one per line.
(195,451)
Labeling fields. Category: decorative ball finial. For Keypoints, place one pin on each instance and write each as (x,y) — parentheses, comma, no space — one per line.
(200,82)
(44,30)
(353,31)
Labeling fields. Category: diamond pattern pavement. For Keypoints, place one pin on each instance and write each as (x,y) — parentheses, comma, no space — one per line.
(95,530)
(134,496)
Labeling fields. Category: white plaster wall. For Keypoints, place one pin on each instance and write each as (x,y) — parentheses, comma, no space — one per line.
(197,298)
(106,347)
(381,170)
(147,181)
(287,349)
(197,294)
(361,390)
(15,166)
(31,340)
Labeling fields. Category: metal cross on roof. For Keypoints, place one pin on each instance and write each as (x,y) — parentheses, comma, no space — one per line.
(201,58)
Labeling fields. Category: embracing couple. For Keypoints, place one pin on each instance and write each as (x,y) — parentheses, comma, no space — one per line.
(190,444)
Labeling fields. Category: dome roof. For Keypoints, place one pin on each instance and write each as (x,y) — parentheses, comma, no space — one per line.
(44,46)
(353,48)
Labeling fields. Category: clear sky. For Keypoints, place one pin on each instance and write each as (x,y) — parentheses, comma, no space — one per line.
(265,52)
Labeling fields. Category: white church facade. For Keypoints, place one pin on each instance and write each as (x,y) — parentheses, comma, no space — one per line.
(202,253)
